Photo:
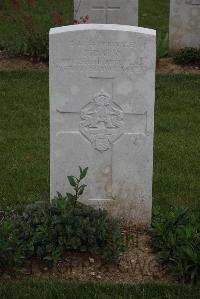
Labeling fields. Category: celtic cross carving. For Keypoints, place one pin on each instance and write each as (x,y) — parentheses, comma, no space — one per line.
(101,121)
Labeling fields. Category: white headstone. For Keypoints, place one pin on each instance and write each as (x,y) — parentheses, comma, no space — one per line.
(102,85)
(124,12)
(184,29)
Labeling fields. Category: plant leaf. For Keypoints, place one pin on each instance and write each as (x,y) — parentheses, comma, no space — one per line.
(70,196)
(81,189)
(72,181)
(83,173)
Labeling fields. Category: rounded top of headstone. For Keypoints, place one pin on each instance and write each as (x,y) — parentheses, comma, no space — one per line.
(103,27)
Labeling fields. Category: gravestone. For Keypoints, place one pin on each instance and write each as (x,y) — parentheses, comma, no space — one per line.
(102,85)
(184,29)
(124,12)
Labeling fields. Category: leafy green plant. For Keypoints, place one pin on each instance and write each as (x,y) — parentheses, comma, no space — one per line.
(36,46)
(75,183)
(176,238)
(10,255)
(47,230)
(162,45)
(187,56)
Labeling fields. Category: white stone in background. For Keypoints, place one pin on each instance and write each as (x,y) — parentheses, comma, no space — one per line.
(124,12)
(102,90)
(184,29)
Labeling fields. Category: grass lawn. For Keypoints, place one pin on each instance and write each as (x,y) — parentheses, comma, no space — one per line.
(152,14)
(24,135)
(72,290)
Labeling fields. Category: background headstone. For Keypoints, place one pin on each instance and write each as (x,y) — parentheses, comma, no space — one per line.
(124,12)
(102,85)
(184,29)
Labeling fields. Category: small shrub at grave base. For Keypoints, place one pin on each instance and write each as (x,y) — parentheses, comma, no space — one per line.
(176,238)
(47,230)
(187,56)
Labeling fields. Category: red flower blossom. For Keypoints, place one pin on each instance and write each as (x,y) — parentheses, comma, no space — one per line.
(29,20)
(30,2)
(15,2)
(58,19)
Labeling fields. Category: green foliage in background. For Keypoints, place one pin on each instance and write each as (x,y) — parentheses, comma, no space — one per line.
(154,14)
(28,35)
(162,45)
(25,24)
(187,56)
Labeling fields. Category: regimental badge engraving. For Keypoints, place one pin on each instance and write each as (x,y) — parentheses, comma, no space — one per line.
(102,121)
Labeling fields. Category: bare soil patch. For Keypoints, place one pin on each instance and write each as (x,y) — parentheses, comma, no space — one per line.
(17,63)
(167,66)
(138,264)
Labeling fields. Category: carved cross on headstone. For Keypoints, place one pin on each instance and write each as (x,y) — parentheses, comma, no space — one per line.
(106,8)
(102,121)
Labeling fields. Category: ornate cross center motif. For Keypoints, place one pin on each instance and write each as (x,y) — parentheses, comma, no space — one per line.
(102,120)
(106,8)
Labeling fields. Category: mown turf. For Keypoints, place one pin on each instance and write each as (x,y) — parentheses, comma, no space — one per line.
(24,136)
(177,139)
(72,290)
(152,14)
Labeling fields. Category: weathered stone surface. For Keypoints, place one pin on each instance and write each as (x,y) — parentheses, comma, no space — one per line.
(184,29)
(124,12)
(102,85)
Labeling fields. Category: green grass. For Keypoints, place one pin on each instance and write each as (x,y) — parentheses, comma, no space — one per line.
(152,14)
(72,290)
(176,154)
(24,136)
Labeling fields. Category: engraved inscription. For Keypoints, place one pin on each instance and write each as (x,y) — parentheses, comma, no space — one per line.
(193,2)
(103,56)
(102,120)
(188,2)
